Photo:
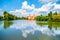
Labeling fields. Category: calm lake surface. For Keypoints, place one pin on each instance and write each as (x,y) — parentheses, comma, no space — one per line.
(29,30)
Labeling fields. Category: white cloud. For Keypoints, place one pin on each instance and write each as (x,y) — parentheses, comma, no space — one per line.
(19,12)
(47,1)
(26,6)
(57,6)
(45,7)
(26,9)
(23,10)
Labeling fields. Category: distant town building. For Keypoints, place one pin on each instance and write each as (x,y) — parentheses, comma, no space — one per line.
(31,17)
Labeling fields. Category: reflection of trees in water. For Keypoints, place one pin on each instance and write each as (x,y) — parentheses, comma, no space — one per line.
(1,22)
(7,24)
(50,24)
(41,23)
(53,25)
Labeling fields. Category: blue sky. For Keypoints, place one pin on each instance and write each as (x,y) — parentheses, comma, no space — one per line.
(27,7)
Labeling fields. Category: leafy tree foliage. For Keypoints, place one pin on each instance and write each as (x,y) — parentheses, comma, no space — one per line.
(55,13)
(1,17)
(8,16)
(51,17)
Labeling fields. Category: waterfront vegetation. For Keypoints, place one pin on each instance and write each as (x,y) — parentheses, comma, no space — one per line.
(8,16)
(54,17)
(1,17)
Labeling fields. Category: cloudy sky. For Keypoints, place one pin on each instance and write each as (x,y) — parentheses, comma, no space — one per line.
(29,7)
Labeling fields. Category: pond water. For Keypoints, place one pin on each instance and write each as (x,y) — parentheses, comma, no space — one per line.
(29,30)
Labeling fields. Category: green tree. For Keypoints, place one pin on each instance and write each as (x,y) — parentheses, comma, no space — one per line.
(5,15)
(42,18)
(50,16)
(1,17)
(55,13)
(8,16)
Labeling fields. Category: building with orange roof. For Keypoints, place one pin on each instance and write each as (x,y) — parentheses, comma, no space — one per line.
(31,17)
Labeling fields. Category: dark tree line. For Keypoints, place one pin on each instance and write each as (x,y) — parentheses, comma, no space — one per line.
(51,17)
(1,17)
(8,16)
